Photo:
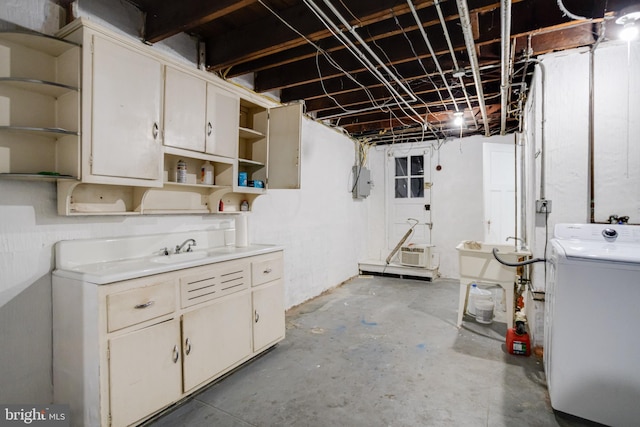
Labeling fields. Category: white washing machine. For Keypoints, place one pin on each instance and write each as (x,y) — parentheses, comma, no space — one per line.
(592,322)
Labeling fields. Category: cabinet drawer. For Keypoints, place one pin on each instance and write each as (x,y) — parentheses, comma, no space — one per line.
(138,305)
(266,268)
(214,282)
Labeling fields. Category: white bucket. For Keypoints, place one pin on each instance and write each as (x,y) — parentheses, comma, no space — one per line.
(484,311)
(477,294)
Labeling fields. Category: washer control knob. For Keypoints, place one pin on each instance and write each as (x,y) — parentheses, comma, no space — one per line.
(609,234)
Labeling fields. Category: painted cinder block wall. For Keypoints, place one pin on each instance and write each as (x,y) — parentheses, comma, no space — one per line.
(320,225)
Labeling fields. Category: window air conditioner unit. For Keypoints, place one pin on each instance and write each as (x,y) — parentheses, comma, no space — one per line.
(415,255)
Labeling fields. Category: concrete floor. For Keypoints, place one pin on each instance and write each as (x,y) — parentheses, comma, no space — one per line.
(380,351)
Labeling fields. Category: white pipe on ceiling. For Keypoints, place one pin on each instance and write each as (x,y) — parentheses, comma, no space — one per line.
(431,51)
(362,57)
(465,20)
(505,42)
(455,60)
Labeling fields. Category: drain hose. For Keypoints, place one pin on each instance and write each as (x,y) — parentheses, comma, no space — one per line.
(516,264)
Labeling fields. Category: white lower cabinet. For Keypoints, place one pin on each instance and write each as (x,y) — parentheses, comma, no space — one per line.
(145,370)
(215,337)
(268,314)
(126,350)
(267,300)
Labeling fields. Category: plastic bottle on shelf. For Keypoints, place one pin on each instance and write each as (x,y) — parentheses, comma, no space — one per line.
(206,173)
(181,172)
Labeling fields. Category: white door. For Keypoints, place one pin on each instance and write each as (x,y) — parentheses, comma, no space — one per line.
(499,191)
(408,196)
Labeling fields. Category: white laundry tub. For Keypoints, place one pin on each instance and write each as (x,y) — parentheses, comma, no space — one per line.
(477,262)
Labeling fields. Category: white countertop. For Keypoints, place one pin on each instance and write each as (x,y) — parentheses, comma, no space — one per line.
(101,273)
(112,259)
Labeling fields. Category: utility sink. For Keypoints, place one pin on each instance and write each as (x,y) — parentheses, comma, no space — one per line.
(478,263)
(180,257)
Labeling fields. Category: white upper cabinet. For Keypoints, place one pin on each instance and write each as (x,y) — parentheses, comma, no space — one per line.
(124,121)
(198,115)
(222,122)
(185,103)
(269,146)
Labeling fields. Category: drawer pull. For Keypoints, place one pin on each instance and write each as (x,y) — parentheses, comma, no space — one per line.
(187,344)
(256,316)
(268,270)
(176,354)
(145,305)
(209,128)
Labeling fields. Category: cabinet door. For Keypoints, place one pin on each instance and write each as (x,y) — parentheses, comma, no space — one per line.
(144,371)
(185,98)
(126,91)
(215,337)
(285,136)
(268,314)
(222,122)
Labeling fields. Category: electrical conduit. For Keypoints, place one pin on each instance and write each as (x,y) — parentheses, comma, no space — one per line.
(465,21)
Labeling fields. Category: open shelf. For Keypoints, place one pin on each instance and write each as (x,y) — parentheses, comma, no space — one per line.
(43,87)
(40,122)
(37,176)
(51,46)
(38,131)
(250,134)
(247,162)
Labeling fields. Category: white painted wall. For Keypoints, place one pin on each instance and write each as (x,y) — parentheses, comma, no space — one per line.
(320,226)
(457,210)
(566,140)
(565,98)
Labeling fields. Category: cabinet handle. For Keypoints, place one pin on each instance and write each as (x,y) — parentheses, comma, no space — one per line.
(145,305)
(267,270)
(156,130)
(176,353)
(209,128)
(187,344)
(256,316)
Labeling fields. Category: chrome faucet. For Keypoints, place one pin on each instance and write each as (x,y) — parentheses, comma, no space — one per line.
(190,242)
(516,239)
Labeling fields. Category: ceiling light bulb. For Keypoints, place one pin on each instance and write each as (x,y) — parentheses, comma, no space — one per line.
(627,18)
(629,32)
(457,118)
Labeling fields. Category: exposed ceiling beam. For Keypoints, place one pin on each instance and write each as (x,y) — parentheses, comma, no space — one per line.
(165,19)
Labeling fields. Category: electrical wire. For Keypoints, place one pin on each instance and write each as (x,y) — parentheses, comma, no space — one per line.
(569,14)
(350,46)
(327,56)
(418,59)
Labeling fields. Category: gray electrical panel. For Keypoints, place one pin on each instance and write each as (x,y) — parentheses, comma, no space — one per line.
(361,182)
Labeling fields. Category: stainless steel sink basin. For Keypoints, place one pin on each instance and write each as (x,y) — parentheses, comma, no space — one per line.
(181,257)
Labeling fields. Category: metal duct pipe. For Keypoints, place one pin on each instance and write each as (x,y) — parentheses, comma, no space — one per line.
(465,20)
(505,42)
